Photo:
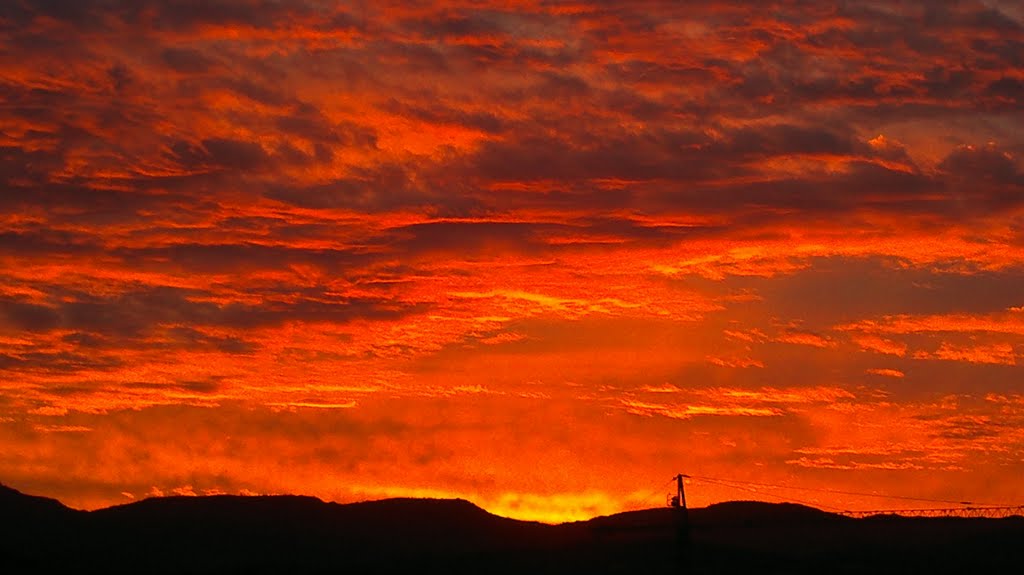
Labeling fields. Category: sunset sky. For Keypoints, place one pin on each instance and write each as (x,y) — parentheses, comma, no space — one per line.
(538,255)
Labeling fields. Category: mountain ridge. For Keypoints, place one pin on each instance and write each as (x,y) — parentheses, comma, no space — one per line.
(303,534)
(717,510)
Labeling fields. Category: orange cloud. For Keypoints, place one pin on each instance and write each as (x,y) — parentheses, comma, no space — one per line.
(877,344)
(886,372)
(1000,353)
(803,338)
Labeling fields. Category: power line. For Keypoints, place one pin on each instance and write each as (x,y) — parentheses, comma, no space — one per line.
(773,496)
(992,512)
(834,491)
(657,492)
(786,499)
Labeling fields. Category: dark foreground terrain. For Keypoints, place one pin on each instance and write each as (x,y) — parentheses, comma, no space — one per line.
(289,534)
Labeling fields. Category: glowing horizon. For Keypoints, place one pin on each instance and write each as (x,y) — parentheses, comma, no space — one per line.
(539,256)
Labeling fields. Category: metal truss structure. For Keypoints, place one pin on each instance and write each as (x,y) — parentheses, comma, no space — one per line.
(986,512)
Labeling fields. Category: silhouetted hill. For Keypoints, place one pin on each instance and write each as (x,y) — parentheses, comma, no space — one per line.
(731,513)
(14,503)
(758,512)
(406,525)
(294,534)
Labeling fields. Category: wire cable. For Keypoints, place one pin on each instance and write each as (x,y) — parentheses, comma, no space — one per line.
(838,491)
(773,496)
(657,492)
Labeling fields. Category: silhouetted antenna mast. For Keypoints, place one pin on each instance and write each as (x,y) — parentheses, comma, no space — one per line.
(678,502)
(679,499)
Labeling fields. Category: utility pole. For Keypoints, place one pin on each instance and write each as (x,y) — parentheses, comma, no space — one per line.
(680,498)
(678,502)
